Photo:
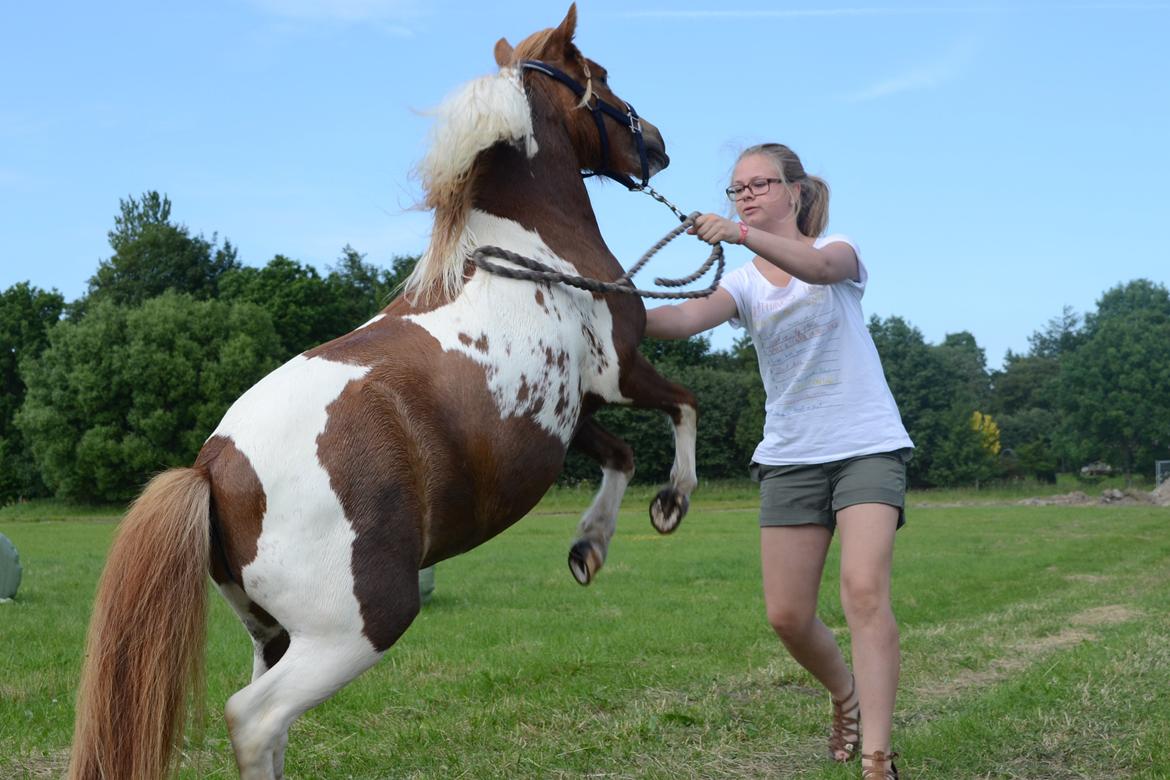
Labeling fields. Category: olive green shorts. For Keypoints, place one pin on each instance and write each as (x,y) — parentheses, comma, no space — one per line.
(806,494)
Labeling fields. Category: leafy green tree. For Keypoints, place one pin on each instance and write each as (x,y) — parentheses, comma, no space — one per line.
(365,288)
(967,453)
(1026,400)
(153,255)
(1116,386)
(965,364)
(1061,337)
(917,379)
(27,314)
(127,391)
(722,389)
(308,309)
(305,309)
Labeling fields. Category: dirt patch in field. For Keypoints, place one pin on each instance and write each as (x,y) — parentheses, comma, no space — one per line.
(1110,497)
(1075,498)
(1020,655)
(1109,615)
(49,765)
(1095,579)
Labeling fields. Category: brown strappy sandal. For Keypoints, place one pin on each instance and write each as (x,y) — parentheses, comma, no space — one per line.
(846,733)
(882,767)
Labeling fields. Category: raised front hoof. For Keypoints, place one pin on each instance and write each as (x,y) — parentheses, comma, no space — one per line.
(667,510)
(584,561)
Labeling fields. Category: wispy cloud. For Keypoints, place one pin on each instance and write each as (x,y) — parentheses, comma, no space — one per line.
(796,13)
(928,75)
(393,16)
(793,13)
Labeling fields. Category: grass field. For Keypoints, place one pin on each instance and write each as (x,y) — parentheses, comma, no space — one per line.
(1036,644)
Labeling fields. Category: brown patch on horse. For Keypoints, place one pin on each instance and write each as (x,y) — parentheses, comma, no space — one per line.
(417,483)
(261,615)
(238,505)
(274,648)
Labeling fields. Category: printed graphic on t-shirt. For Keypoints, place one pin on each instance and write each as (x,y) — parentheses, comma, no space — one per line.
(802,351)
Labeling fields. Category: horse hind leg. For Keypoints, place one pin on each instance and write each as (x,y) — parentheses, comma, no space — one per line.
(324,650)
(270,640)
(599,522)
(312,669)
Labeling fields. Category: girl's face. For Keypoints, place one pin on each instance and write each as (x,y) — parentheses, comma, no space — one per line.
(755,173)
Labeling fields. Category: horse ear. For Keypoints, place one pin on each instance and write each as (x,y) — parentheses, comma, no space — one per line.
(503,53)
(568,27)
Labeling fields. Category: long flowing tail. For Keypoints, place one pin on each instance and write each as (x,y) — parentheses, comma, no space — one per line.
(146,640)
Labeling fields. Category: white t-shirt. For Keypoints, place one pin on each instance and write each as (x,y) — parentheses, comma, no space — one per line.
(827,395)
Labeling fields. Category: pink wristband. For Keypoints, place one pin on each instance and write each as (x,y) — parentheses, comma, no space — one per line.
(743,229)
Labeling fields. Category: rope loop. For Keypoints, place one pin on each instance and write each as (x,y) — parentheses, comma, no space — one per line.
(535,271)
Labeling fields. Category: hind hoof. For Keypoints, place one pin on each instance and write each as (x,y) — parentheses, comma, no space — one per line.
(667,510)
(584,561)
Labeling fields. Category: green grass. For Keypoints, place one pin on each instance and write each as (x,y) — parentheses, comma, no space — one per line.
(1034,646)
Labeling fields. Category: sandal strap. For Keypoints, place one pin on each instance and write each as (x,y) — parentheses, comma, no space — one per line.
(845,724)
(885,771)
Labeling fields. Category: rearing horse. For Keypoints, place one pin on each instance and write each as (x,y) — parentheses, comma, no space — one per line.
(421,434)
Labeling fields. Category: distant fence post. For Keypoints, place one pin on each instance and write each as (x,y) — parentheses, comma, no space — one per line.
(426,583)
(9,569)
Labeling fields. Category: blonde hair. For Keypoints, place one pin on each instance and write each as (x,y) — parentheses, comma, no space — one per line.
(812,208)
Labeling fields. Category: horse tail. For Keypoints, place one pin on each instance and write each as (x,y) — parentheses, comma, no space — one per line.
(145,650)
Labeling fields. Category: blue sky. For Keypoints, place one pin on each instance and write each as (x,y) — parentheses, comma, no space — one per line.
(995,161)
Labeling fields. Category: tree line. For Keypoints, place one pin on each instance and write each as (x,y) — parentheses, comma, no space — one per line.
(101,392)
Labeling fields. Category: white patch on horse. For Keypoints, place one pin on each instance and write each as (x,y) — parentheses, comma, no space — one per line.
(683,475)
(479,115)
(542,346)
(600,520)
(370,321)
(301,574)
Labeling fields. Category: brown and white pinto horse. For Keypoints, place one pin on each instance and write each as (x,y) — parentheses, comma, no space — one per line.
(421,434)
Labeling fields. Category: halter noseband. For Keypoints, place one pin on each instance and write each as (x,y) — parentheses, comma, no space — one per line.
(629,118)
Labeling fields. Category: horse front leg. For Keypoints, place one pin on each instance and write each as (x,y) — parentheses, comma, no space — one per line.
(598,523)
(647,389)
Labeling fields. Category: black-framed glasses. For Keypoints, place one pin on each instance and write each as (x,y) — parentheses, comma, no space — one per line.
(756,187)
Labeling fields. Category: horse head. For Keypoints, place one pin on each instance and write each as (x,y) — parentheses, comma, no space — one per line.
(546,115)
(609,136)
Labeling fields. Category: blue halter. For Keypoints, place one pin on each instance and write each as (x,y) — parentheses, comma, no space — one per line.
(629,118)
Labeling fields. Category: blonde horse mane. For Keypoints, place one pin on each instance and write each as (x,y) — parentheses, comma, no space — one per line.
(482,113)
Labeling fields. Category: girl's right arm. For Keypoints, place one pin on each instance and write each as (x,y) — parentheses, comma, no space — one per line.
(690,317)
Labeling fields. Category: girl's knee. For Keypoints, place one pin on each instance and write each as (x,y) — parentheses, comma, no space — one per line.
(864,598)
(788,623)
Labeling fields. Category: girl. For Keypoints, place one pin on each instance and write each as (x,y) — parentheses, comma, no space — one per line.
(834,449)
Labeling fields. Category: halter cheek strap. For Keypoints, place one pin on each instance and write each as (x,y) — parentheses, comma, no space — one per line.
(629,118)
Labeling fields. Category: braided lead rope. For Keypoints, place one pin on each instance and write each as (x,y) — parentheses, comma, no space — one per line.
(539,272)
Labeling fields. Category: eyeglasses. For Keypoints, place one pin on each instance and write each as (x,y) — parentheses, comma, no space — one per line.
(757,187)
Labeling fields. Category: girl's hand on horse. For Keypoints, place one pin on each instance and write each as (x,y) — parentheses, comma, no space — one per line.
(713,228)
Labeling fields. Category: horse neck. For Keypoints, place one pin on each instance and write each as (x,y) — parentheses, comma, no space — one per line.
(546,193)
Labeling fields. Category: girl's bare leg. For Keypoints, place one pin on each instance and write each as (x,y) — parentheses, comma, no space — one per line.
(867,550)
